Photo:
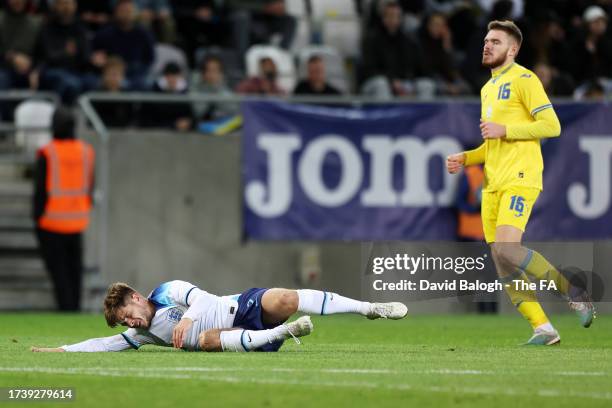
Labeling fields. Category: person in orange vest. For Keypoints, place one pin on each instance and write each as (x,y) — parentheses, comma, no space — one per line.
(62,204)
(469,222)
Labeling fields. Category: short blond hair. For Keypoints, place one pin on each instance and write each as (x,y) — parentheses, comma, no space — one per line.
(116,297)
(508,27)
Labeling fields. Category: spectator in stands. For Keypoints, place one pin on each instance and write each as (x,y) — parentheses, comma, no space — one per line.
(392,60)
(516,8)
(201,23)
(264,83)
(113,113)
(439,60)
(554,82)
(592,54)
(156,15)
(125,38)
(546,40)
(212,82)
(95,14)
(174,115)
(266,24)
(62,53)
(315,82)
(18,34)
(594,91)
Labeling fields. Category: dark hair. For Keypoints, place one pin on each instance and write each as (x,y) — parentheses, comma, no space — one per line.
(171,68)
(63,123)
(508,27)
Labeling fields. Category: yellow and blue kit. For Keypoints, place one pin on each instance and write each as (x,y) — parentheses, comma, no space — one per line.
(513,97)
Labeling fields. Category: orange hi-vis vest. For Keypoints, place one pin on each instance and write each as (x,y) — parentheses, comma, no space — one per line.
(70,166)
(470,224)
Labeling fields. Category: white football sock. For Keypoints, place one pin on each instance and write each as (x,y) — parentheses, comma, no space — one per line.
(247,340)
(547,327)
(325,303)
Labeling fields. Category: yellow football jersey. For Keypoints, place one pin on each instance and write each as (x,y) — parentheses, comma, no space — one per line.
(514,97)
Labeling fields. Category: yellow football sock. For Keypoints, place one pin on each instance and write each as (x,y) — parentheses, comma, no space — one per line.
(533,312)
(538,267)
(525,300)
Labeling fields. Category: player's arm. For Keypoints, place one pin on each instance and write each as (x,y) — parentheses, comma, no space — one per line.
(455,162)
(475,156)
(192,297)
(546,125)
(533,96)
(111,343)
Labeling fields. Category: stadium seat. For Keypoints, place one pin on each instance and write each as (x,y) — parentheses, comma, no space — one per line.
(303,32)
(343,35)
(296,8)
(33,123)
(283,60)
(339,25)
(165,53)
(334,65)
(334,9)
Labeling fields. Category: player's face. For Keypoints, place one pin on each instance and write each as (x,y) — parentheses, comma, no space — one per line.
(135,314)
(497,49)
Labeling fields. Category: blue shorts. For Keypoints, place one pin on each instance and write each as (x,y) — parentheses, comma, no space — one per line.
(250,315)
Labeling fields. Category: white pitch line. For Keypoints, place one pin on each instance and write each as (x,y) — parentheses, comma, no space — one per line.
(582,373)
(121,372)
(365,371)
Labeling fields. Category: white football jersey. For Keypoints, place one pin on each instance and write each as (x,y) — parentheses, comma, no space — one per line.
(177,299)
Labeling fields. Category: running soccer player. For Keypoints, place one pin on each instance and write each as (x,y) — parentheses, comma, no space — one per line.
(180,314)
(515,114)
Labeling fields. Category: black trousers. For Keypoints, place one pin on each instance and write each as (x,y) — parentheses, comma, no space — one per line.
(63,258)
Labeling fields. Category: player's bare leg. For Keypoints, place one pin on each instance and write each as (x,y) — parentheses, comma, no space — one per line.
(241,340)
(279,304)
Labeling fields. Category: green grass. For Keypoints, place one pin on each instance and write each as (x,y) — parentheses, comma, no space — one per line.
(424,361)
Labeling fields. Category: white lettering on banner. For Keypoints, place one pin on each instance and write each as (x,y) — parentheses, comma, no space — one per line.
(416,154)
(310,171)
(599,150)
(277,199)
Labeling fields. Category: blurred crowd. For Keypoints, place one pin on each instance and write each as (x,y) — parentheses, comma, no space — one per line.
(420,48)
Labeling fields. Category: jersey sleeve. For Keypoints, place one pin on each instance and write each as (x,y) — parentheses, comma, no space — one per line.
(136,338)
(184,293)
(102,344)
(545,121)
(475,156)
(532,94)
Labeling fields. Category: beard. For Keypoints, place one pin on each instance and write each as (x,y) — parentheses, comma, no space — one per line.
(497,62)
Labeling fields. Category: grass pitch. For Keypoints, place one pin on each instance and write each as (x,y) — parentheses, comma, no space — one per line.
(423,361)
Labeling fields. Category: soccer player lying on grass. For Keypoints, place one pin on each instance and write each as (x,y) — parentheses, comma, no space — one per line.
(179,314)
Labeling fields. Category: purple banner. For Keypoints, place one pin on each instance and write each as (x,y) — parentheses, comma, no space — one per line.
(377,173)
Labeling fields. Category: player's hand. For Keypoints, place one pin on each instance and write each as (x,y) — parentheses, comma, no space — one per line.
(490,130)
(47,350)
(455,162)
(180,331)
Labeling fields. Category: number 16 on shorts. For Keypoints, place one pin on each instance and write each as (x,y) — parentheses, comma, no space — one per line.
(517,204)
